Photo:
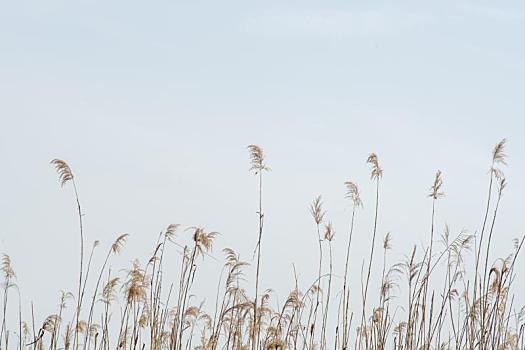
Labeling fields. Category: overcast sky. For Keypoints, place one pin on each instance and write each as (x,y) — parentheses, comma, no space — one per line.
(153,105)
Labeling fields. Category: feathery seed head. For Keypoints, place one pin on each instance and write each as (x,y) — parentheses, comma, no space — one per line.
(498,154)
(82,326)
(170,230)
(137,284)
(203,240)
(64,296)
(378,315)
(50,323)
(316,209)
(108,292)
(117,246)
(329,232)
(7,268)
(352,192)
(64,171)
(377,172)
(93,330)
(257,159)
(436,187)
(387,241)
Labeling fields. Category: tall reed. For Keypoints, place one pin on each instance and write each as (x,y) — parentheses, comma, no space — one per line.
(258,165)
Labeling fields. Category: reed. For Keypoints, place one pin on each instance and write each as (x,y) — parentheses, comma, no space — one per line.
(449,294)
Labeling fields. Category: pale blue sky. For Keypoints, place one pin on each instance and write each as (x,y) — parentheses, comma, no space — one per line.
(153,104)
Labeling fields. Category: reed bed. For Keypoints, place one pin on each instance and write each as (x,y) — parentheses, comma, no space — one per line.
(450,294)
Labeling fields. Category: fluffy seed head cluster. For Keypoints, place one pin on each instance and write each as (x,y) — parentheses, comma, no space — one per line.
(329,232)
(387,241)
(257,159)
(436,187)
(64,171)
(498,154)
(50,323)
(117,246)
(203,240)
(7,268)
(170,230)
(316,209)
(108,291)
(352,192)
(137,284)
(377,171)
